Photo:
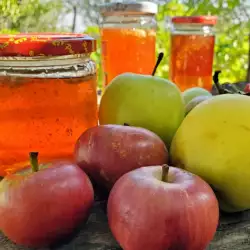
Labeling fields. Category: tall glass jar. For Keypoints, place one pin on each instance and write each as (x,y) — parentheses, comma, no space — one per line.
(47,95)
(192,51)
(128,35)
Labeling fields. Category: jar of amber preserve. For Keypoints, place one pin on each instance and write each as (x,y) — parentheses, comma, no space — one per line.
(192,51)
(47,95)
(128,35)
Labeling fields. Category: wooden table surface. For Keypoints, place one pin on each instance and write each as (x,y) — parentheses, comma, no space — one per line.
(233,232)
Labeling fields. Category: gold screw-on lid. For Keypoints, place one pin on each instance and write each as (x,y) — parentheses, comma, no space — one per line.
(129,8)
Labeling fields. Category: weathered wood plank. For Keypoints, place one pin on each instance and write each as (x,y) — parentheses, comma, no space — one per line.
(232,234)
(95,235)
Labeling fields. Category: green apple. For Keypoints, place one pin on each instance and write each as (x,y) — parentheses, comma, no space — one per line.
(144,101)
(196,101)
(191,93)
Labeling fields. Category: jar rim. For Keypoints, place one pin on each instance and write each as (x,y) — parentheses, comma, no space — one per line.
(208,20)
(48,67)
(45,44)
(129,8)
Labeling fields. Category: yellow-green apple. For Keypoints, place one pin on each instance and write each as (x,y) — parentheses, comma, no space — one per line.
(196,101)
(191,93)
(213,142)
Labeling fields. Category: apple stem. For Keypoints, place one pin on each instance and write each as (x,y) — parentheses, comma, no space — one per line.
(216,82)
(34,161)
(160,57)
(221,90)
(165,169)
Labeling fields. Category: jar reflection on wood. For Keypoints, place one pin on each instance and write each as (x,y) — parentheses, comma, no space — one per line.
(47,95)
(128,36)
(192,51)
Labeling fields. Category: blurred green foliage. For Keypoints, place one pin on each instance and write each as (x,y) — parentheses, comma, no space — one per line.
(94,31)
(232,40)
(29,15)
(232,34)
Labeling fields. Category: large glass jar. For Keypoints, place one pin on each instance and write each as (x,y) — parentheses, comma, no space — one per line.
(128,35)
(47,95)
(192,51)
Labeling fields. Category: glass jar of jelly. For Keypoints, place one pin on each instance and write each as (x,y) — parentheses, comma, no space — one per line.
(192,51)
(128,36)
(47,95)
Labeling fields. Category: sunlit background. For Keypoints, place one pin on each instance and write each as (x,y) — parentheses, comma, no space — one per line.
(233,29)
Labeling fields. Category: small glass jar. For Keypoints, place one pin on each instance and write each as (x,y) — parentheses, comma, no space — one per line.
(192,51)
(47,95)
(128,36)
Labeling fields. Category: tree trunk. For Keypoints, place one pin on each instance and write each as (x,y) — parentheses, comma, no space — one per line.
(74,18)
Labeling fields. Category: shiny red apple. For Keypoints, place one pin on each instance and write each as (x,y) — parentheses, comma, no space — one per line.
(107,152)
(151,208)
(38,208)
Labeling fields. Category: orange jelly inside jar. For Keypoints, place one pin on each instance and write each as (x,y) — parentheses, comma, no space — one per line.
(44,109)
(127,50)
(128,37)
(192,52)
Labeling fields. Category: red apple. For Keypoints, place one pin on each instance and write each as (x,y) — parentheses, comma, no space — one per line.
(247,88)
(40,207)
(149,208)
(107,152)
